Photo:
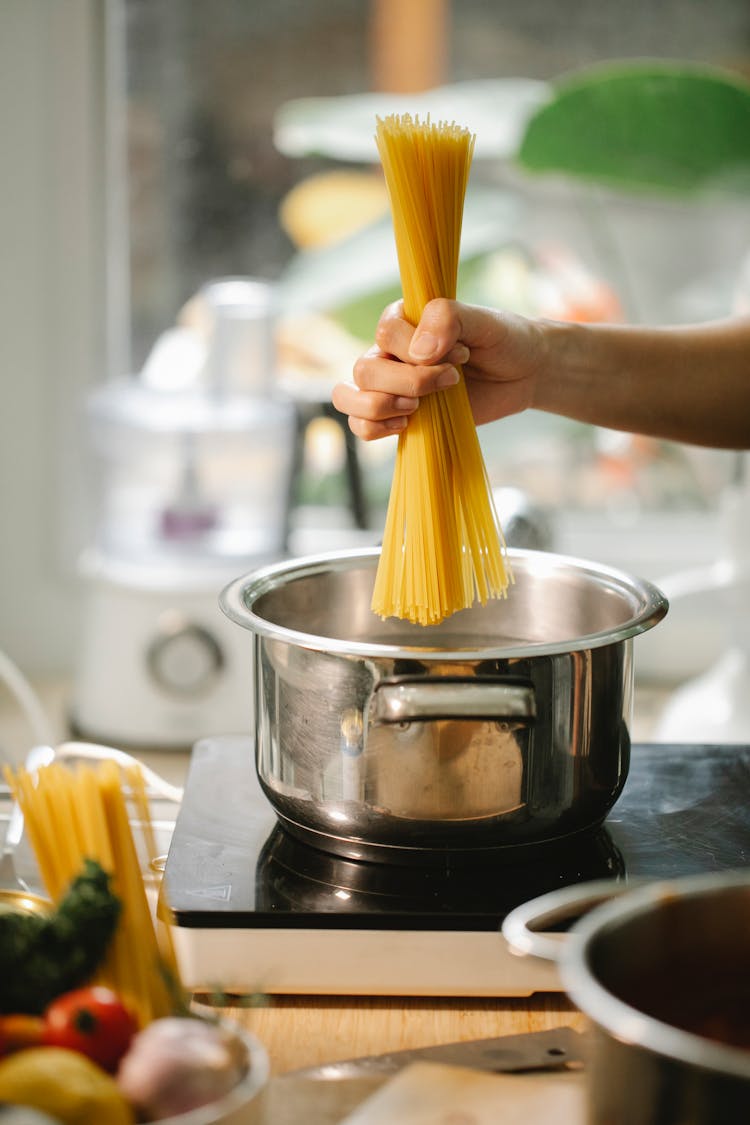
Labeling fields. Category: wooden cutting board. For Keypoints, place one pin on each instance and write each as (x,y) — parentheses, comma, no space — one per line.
(433,1094)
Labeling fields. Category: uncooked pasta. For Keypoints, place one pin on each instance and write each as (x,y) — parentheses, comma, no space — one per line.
(443,547)
(74,814)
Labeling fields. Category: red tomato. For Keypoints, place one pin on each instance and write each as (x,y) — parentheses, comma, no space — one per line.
(93,1021)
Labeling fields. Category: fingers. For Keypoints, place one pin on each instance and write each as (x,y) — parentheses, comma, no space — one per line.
(375,371)
(437,333)
(435,340)
(373,414)
(372,431)
(388,382)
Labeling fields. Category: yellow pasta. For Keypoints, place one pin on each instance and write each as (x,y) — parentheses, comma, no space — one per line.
(443,547)
(79,813)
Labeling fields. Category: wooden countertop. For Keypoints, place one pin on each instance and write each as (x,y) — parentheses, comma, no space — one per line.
(302,1031)
(308,1031)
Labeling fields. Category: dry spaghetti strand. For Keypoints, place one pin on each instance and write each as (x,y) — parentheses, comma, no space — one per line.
(76,813)
(443,548)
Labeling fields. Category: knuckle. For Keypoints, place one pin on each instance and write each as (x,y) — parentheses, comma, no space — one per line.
(383,334)
(443,313)
(393,311)
(359,371)
(361,429)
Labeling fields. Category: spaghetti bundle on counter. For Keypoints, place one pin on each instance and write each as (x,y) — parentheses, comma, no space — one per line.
(443,547)
(76,814)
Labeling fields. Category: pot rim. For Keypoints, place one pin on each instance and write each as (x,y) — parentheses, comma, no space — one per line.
(618,1018)
(239,595)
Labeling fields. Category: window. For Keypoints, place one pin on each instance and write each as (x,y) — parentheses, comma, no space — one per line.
(198,88)
(209,181)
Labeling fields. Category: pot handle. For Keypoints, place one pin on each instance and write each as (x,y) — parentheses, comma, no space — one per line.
(520,927)
(450,697)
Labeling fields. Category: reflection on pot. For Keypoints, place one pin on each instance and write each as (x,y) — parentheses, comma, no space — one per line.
(505,725)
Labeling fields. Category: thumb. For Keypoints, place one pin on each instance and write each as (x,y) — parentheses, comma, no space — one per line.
(437,331)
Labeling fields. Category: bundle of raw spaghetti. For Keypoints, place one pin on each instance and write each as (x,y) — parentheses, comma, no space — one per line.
(80,813)
(443,548)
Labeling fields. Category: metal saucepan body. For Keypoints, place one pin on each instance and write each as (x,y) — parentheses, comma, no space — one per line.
(505,725)
(661,973)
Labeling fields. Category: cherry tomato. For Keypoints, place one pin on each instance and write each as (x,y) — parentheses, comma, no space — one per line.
(93,1021)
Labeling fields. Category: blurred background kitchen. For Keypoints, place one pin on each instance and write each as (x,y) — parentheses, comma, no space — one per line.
(196,245)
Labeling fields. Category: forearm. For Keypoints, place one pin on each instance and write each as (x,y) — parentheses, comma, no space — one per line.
(689,384)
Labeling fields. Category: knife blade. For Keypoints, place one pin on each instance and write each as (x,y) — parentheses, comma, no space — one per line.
(505,1054)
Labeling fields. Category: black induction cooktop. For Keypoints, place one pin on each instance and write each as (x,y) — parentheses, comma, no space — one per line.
(685,810)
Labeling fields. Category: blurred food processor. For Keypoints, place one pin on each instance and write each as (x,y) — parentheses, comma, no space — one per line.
(192,475)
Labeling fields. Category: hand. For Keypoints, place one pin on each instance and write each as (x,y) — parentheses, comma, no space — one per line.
(500,355)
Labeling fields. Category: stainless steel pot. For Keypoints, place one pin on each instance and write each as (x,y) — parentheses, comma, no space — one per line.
(506,725)
(662,974)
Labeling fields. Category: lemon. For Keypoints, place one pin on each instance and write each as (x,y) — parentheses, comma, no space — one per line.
(65,1085)
(326,206)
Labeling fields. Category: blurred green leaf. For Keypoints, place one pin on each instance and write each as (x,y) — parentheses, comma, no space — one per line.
(645,126)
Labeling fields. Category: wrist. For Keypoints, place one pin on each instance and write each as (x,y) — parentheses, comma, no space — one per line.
(560,365)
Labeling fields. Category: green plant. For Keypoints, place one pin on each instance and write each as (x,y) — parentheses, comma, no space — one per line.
(645,126)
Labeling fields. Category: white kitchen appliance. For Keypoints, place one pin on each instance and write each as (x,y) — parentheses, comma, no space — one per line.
(192,473)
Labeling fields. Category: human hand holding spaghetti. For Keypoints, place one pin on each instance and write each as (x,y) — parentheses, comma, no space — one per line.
(688,383)
(499,354)
(443,548)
